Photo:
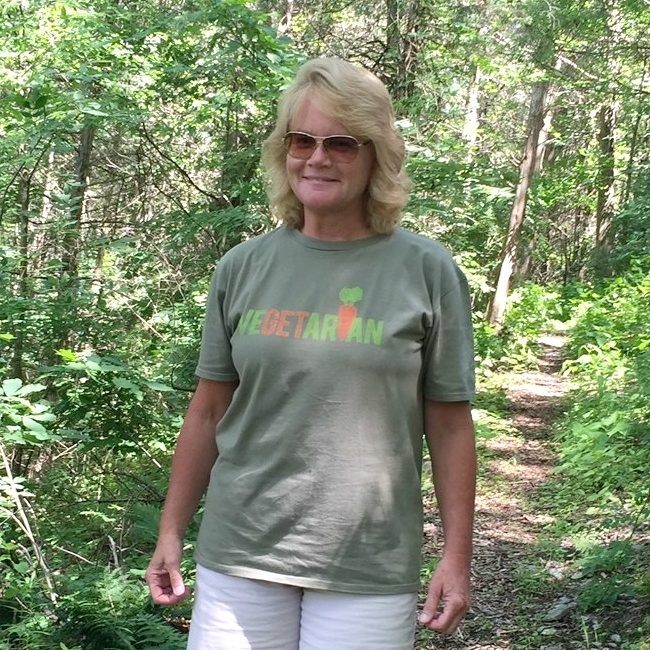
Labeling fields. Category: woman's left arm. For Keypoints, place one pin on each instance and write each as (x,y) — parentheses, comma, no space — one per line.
(449,432)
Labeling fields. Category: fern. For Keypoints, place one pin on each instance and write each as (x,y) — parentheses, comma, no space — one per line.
(152,633)
(109,613)
(94,628)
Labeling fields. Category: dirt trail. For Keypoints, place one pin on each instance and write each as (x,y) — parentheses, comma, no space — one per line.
(514,466)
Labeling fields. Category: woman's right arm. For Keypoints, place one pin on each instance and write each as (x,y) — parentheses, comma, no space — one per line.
(196,453)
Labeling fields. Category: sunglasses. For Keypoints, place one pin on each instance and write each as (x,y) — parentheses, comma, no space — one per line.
(340,148)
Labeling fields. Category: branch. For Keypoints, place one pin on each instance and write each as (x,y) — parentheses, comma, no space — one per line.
(113,547)
(19,171)
(183,173)
(79,557)
(7,188)
(574,65)
(27,529)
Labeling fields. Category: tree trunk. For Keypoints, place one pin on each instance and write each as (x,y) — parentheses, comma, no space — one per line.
(526,171)
(543,143)
(285,22)
(49,188)
(470,129)
(69,281)
(402,45)
(77,196)
(607,116)
(24,190)
(409,50)
(606,197)
(629,170)
(393,45)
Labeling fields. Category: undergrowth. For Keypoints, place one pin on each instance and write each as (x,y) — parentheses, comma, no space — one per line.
(97,528)
(597,550)
(97,610)
(532,310)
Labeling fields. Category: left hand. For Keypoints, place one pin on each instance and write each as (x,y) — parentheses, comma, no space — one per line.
(163,574)
(448,598)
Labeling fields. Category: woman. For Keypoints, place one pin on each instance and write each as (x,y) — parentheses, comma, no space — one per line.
(330,345)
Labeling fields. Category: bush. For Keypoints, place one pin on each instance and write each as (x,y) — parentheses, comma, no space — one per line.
(605,438)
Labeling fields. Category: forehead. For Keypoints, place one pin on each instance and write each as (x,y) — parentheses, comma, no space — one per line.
(310,116)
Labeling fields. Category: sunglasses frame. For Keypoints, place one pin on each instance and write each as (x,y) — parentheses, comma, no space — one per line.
(322,141)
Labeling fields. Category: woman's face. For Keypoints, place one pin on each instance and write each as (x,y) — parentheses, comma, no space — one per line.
(324,186)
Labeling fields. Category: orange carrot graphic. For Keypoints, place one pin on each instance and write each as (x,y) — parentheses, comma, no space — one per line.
(347,312)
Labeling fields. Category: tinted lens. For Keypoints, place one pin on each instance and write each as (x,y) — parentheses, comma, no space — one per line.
(341,147)
(300,145)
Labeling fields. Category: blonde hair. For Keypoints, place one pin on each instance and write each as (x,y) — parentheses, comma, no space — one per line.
(358,100)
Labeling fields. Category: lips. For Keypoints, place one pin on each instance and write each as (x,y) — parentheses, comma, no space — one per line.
(320,179)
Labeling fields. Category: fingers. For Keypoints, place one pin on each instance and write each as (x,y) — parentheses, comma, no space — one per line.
(177,585)
(447,602)
(165,589)
(166,585)
(163,574)
(430,610)
(447,620)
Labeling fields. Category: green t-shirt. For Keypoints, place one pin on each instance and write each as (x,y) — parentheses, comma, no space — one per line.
(335,345)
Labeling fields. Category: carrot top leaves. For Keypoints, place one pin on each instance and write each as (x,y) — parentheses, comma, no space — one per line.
(350,295)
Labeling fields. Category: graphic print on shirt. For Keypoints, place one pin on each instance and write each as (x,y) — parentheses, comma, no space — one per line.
(344,326)
(347,311)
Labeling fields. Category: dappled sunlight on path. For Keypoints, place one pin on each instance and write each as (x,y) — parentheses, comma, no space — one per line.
(514,465)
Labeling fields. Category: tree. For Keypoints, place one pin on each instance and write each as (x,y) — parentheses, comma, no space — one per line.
(526,172)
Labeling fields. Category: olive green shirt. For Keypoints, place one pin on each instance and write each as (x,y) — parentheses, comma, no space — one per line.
(335,346)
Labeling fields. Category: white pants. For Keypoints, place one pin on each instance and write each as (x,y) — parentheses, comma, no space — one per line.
(240,614)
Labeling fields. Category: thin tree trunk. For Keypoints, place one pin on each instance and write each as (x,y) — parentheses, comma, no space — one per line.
(629,170)
(22,520)
(24,190)
(98,273)
(393,45)
(606,193)
(409,50)
(77,196)
(526,171)
(544,144)
(49,188)
(470,129)
(69,284)
(402,45)
(607,116)
(285,22)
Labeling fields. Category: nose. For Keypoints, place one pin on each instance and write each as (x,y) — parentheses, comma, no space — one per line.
(319,156)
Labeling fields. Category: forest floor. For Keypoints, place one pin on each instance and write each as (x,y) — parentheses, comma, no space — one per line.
(507,611)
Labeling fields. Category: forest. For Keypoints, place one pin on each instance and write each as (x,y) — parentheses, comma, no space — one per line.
(130,135)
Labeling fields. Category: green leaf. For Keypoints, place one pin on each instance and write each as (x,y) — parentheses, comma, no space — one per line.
(21,567)
(39,407)
(43,417)
(31,388)
(11,386)
(125,383)
(34,426)
(67,355)
(15,435)
(154,385)
(93,111)
(6,336)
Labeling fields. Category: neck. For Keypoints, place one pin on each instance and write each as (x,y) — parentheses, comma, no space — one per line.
(339,228)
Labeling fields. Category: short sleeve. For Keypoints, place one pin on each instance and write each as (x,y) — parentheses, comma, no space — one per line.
(448,352)
(215,358)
